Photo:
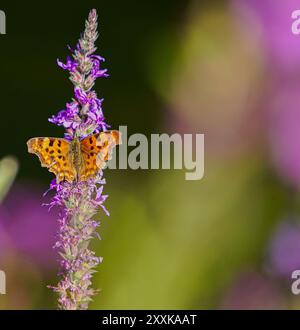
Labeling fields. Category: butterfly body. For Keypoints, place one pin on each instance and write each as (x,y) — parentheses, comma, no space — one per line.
(77,159)
(76,155)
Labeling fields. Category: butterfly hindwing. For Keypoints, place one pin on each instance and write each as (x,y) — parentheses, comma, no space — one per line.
(107,141)
(54,153)
(96,151)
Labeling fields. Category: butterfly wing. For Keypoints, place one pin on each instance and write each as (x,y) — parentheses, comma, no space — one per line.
(96,150)
(55,154)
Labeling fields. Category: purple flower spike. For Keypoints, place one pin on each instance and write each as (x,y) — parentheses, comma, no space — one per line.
(79,201)
(84,115)
(70,65)
(96,72)
(69,118)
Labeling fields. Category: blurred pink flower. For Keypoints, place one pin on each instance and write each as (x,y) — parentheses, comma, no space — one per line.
(273,20)
(26,226)
(253,291)
(284,249)
(283,122)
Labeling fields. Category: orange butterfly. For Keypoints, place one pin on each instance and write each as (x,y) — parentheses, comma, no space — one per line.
(77,159)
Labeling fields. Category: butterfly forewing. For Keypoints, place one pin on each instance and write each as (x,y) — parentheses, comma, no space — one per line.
(96,151)
(55,154)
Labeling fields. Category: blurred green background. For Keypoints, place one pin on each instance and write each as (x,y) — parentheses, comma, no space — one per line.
(228,69)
